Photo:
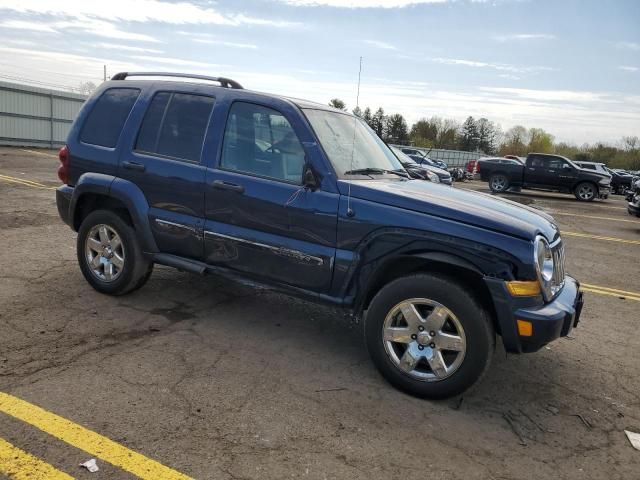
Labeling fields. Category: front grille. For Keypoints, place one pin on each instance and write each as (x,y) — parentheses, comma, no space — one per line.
(557,282)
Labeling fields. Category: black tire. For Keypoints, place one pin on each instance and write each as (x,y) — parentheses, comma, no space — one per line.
(473,317)
(136,269)
(586,191)
(498,183)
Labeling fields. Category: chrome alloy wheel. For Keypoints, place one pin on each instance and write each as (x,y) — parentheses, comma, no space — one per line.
(586,192)
(498,182)
(104,252)
(424,339)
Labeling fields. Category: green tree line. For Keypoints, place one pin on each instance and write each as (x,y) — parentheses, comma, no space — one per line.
(483,135)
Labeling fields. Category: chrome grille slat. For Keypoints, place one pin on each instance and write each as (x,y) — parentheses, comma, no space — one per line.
(557,282)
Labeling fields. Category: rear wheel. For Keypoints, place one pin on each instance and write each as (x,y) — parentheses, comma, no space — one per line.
(110,255)
(586,191)
(498,182)
(428,337)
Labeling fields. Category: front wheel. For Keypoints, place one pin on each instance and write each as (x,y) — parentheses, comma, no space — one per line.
(586,191)
(428,336)
(498,183)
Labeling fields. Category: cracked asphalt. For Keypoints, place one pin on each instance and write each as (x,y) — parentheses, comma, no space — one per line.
(222,381)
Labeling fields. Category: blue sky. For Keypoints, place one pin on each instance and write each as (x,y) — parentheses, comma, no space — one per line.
(571,67)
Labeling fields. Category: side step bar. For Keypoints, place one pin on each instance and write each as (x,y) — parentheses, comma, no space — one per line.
(180,263)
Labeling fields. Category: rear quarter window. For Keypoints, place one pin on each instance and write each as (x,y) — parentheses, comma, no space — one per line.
(175,125)
(105,121)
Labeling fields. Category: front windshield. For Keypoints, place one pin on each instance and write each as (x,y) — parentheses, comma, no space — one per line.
(349,142)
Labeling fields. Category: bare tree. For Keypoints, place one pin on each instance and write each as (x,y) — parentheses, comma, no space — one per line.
(87,88)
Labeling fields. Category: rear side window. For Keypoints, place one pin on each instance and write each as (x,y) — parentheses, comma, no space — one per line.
(175,125)
(105,121)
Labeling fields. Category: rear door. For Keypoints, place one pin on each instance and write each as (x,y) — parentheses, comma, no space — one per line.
(164,161)
(259,218)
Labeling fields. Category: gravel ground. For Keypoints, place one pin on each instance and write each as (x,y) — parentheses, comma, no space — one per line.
(222,381)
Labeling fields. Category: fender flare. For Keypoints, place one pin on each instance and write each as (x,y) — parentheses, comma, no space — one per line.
(126,192)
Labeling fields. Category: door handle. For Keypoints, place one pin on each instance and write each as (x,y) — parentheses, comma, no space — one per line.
(134,166)
(222,185)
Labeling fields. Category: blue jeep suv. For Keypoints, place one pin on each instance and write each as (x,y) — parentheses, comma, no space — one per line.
(202,175)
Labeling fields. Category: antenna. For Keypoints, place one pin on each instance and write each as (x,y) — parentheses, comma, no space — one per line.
(350,212)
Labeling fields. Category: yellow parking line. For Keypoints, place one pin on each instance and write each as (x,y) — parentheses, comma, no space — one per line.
(20,465)
(87,440)
(39,153)
(24,180)
(598,237)
(554,212)
(614,290)
(611,294)
(26,183)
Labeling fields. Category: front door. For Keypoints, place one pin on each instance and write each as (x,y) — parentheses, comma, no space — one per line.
(259,218)
(165,163)
(538,172)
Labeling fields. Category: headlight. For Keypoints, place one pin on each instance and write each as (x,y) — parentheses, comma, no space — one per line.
(433,177)
(544,261)
(605,181)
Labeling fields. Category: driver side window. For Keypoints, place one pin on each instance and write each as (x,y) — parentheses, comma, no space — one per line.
(260,141)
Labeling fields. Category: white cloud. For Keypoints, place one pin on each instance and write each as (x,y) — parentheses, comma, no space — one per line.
(180,62)
(359,3)
(126,48)
(103,29)
(504,67)
(524,36)
(546,95)
(628,68)
(224,43)
(628,46)
(379,44)
(33,26)
(182,12)
(209,39)
(86,25)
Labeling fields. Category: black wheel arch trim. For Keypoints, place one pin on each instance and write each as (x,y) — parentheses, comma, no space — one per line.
(124,191)
(379,252)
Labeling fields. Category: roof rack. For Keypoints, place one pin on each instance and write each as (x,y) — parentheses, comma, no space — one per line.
(224,82)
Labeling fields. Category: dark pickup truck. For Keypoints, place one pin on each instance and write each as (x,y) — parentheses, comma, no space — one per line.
(546,172)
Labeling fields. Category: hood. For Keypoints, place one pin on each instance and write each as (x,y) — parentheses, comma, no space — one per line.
(473,208)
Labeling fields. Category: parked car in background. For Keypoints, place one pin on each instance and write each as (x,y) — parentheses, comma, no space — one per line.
(443,175)
(595,166)
(472,167)
(414,169)
(546,172)
(421,157)
(633,197)
(210,178)
(620,180)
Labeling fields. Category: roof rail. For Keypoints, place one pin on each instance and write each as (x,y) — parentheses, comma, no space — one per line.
(224,82)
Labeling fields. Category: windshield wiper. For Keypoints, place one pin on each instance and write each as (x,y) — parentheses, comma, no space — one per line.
(366,171)
(375,171)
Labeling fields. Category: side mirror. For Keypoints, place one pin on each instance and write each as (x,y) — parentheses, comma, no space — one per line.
(309,178)
(566,166)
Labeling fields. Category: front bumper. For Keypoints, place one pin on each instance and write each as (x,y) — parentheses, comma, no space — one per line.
(550,321)
(63,201)
(603,192)
(446,180)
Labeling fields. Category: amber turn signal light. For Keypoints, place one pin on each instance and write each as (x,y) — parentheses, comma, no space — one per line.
(525,328)
(524,289)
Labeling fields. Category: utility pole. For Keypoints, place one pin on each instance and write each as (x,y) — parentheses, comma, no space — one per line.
(105,74)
